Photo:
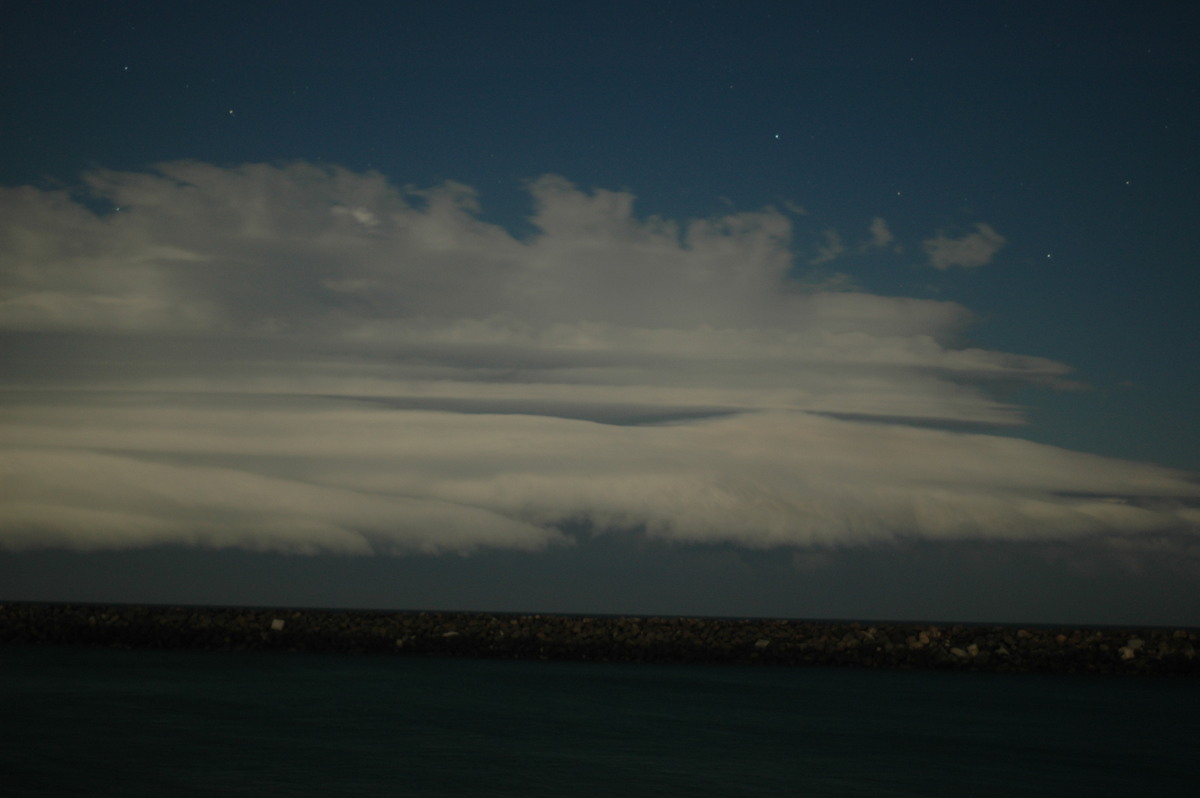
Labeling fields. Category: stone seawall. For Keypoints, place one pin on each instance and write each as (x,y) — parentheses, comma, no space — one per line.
(610,639)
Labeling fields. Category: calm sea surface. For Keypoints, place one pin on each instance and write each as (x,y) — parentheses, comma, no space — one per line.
(100,722)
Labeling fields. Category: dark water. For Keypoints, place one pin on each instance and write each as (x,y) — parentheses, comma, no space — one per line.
(98,722)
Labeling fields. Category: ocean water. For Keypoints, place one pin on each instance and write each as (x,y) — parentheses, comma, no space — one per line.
(132,723)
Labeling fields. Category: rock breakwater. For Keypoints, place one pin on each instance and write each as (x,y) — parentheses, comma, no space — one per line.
(611,638)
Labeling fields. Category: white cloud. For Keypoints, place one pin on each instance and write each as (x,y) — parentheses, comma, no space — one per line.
(88,500)
(338,477)
(971,250)
(308,359)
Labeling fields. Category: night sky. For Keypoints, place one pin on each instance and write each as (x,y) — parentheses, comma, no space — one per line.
(869,310)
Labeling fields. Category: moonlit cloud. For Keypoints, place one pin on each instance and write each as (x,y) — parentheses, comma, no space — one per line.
(881,234)
(307,359)
(971,250)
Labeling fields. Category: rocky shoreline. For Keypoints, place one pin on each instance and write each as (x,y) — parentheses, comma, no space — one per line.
(1040,649)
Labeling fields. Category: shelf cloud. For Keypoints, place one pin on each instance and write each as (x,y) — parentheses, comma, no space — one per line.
(308,359)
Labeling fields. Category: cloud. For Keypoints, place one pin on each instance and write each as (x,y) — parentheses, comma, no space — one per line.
(339,476)
(971,250)
(88,500)
(881,234)
(306,359)
(832,249)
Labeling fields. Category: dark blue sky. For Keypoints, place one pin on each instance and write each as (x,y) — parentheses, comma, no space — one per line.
(1057,140)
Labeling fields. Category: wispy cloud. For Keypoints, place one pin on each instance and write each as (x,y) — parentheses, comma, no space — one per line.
(307,359)
(971,250)
(832,246)
(881,234)
(831,249)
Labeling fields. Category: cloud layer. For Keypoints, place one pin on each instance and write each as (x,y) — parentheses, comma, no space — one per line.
(307,359)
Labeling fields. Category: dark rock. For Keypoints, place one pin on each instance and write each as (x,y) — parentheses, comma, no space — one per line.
(609,639)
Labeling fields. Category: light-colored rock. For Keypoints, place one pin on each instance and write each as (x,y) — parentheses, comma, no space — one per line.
(277,624)
(762,643)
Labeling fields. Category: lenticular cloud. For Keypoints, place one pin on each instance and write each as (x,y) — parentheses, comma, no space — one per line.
(308,359)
